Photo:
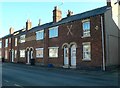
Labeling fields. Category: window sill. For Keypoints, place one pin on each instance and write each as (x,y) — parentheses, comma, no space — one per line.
(53,57)
(53,37)
(86,59)
(39,57)
(85,36)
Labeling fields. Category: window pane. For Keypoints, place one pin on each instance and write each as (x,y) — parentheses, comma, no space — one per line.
(40,35)
(22,53)
(53,32)
(86,28)
(15,53)
(0,44)
(6,43)
(86,51)
(39,52)
(6,54)
(53,52)
(0,54)
(15,41)
(22,38)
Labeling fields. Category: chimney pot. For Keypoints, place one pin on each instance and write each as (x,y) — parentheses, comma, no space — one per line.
(11,30)
(69,13)
(28,24)
(39,22)
(109,3)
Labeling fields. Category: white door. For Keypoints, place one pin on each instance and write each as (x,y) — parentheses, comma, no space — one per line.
(31,55)
(66,60)
(73,55)
(12,55)
(28,60)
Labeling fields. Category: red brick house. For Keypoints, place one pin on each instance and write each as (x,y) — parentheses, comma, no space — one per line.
(88,39)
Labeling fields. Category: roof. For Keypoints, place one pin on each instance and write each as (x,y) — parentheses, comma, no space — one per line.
(84,15)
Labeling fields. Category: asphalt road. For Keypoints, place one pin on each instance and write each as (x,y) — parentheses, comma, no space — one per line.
(25,75)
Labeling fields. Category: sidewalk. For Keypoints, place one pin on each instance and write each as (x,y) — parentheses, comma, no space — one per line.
(60,69)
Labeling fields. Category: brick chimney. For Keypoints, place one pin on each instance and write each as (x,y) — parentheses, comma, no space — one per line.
(28,24)
(11,30)
(57,14)
(70,13)
(109,3)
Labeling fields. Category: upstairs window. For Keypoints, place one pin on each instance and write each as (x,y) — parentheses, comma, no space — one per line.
(0,44)
(15,41)
(22,38)
(9,40)
(22,53)
(86,28)
(6,43)
(53,32)
(0,54)
(40,35)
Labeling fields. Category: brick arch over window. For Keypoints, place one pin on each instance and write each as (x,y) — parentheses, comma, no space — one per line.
(73,43)
(65,44)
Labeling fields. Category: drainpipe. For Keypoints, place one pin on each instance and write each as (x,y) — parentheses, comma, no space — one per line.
(103,46)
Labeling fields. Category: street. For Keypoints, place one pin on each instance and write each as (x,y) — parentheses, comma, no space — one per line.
(25,75)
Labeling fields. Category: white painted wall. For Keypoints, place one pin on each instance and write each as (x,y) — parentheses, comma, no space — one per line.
(116,12)
(111,39)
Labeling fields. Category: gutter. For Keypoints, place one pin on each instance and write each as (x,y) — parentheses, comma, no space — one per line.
(103,46)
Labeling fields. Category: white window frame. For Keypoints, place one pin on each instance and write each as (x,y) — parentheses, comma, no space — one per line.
(15,53)
(6,42)
(56,32)
(39,36)
(9,40)
(22,40)
(16,41)
(40,56)
(54,55)
(22,53)
(86,32)
(84,50)
(6,54)
(0,44)
(0,54)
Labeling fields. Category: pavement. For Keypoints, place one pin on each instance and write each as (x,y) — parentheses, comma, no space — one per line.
(21,75)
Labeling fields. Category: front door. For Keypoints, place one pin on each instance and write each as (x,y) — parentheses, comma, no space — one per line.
(66,56)
(31,54)
(73,55)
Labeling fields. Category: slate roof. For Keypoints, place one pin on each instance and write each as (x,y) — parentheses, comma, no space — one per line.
(83,15)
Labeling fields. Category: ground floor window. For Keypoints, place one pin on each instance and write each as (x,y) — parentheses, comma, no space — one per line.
(15,53)
(6,54)
(87,51)
(22,53)
(39,52)
(53,52)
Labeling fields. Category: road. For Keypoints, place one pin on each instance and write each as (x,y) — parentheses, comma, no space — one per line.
(26,75)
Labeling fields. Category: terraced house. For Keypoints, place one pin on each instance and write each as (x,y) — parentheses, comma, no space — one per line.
(85,40)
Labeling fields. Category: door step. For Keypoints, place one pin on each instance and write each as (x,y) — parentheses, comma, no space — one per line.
(73,67)
(66,66)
